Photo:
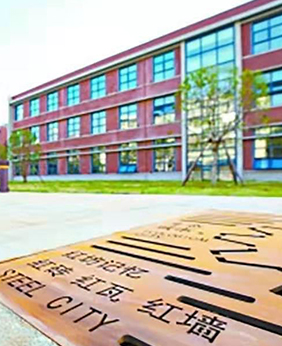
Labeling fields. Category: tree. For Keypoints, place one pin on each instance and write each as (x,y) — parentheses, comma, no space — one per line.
(23,151)
(215,102)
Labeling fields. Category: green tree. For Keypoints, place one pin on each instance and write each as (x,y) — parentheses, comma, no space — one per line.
(215,108)
(23,151)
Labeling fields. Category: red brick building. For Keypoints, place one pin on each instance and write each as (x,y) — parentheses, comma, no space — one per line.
(120,118)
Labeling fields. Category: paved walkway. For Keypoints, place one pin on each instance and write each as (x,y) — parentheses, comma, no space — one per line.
(32,222)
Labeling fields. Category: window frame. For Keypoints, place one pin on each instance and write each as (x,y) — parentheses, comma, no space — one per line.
(164,70)
(128,120)
(34,111)
(32,171)
(163,146)
(128,79)
(165,115)
(17,107)
(51,136)
(269,38)
(50,105)
(73,127)
(71,154)
(102,125)
(268,76)
(98,151)
(128,168)
(52,156)
(36,135)
(72,98)
(101,92)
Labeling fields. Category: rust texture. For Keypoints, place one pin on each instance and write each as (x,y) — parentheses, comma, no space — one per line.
(213,278)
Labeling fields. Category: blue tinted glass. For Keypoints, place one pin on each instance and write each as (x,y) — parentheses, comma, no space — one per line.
(158,59)
(208,42)
(260,25)
(276,43)
(194,63)
(277,76)
(209,58)
(225,36)
(163,66)
(158,68)
(261,36)
(128,77)
(276,31)
(193,47)
(276,20)
(276,100)
(225,54)
(261,47)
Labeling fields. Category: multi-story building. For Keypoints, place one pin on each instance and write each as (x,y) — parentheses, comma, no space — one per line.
(121,117)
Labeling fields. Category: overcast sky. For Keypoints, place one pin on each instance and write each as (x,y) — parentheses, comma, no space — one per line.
(43,39)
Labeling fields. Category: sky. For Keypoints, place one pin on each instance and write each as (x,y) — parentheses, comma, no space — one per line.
(44,39)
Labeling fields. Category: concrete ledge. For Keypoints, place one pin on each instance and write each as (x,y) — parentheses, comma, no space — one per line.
(263,175)
(86,177)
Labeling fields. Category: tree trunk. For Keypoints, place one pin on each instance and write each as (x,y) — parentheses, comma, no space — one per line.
(232,167)
(214,174)
(191,169)
(24,171)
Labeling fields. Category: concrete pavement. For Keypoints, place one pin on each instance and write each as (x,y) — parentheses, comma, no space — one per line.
(31,222)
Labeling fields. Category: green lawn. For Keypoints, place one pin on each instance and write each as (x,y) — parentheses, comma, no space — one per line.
(265,189)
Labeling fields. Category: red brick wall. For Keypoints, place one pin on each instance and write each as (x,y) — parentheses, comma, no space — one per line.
(3,135)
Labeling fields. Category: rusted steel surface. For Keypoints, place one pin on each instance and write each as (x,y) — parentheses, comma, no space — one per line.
(213,278)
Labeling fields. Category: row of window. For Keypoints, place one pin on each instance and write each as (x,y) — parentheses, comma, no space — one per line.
(163,68)
(216,48)
(163,113)
(164,160)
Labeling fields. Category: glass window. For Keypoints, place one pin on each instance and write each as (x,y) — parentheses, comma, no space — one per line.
(98,87)
(34,168)
(73,162)
(73,127)
(52,164)
(268,148)
(34,107)
(52,131)
(128,77)
(73,95)
(163,66)
(35,131)
(17,167)
(98,160)
(128,158)
(164,110)
(19,112)
(164,156)
(98,122)
(212,49)
(267,34)
(274,81)
(128,117)
(52,101)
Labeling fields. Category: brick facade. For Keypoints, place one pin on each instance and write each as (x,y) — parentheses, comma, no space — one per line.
(146,133)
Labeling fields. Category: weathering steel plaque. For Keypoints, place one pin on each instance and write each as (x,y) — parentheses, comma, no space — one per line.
(214,278)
